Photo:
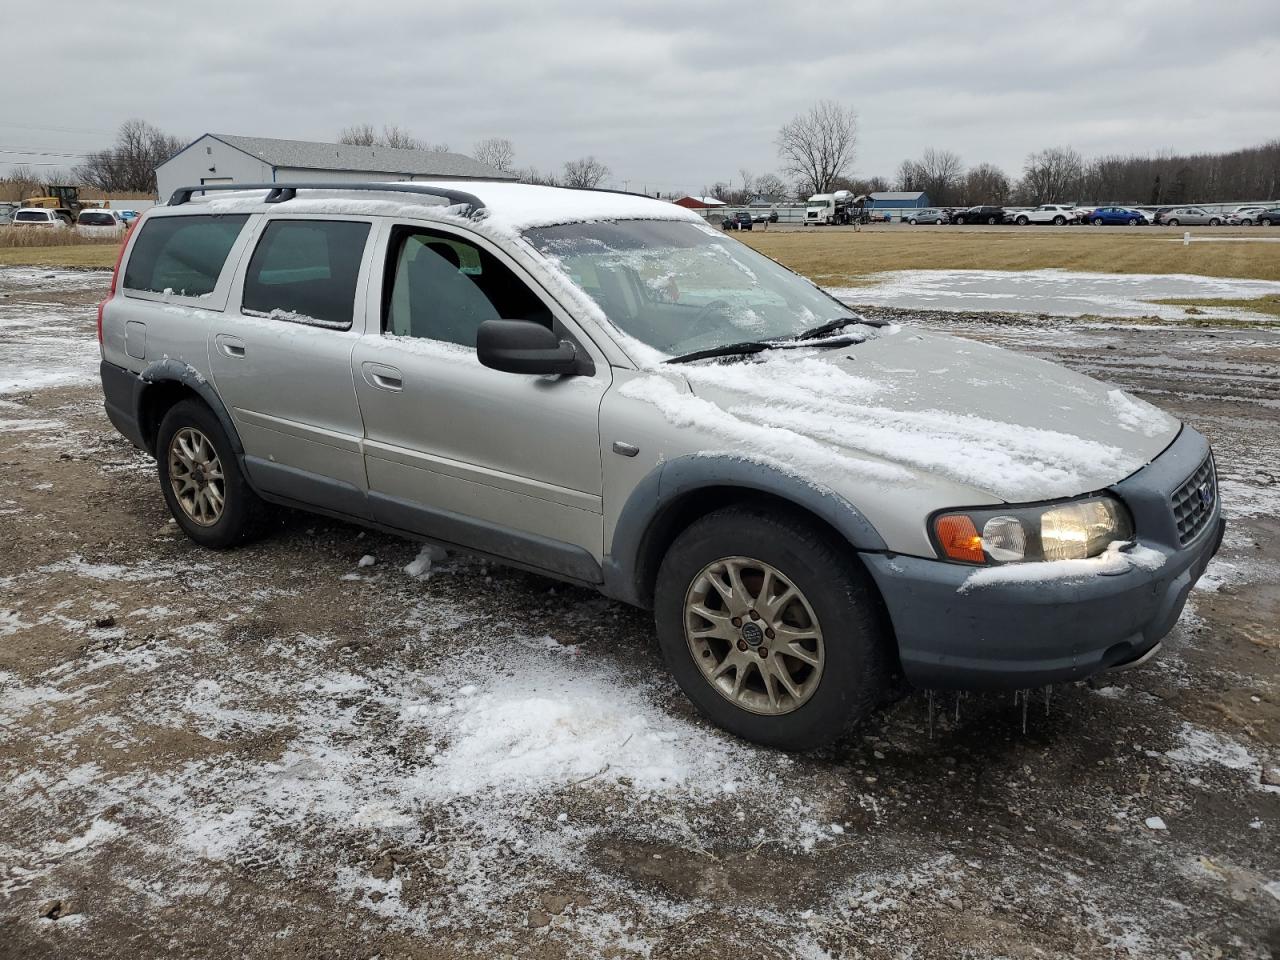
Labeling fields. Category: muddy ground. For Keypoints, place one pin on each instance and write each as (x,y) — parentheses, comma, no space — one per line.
(279,752)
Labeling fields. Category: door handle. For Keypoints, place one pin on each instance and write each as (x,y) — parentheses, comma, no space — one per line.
(230,346)
(382,377)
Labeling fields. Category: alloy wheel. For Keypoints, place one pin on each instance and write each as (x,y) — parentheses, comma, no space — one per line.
(754,635)
(195,474)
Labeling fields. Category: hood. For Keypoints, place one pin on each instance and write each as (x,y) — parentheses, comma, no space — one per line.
(1012,426)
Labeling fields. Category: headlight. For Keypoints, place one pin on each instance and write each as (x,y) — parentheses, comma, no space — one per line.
(1056,531)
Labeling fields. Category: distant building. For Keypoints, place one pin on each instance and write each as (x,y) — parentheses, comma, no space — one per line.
(898,200)
(699,203)
(224,158)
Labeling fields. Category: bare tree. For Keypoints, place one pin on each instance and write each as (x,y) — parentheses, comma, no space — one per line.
(359,135)
(497,152)
(985,183)
(939,173)
(748,183)
(22,182)
(909,176)
(1054,174)
(400,139)
(129,166)
(535,176)
(770,186)
(585,172)
(818,146)
(392,135)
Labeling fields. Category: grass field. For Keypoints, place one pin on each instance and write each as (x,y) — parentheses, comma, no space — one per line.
(845,258)
(1269,304)
(842,257)
(100,256)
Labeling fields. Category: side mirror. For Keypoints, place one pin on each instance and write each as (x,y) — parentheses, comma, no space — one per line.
(522,346)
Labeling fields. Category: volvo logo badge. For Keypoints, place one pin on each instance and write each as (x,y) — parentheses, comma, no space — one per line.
(1206,495)
(752,633)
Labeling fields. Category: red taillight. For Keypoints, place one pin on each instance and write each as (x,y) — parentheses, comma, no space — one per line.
(115,276)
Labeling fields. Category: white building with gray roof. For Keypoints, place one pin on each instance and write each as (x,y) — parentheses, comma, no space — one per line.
(223,158)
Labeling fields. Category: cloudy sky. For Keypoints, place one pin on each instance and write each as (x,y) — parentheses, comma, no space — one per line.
(671,94)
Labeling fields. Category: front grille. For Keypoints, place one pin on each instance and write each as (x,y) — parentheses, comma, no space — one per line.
(1193,502)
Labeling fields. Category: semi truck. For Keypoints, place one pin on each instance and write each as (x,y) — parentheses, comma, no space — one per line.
(832,208)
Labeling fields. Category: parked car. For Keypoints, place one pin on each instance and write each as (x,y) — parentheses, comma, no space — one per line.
(764,216)
(980,214)
(39,217)
(127,216)
(928,215)
(1102,216)
(492,367)
(1191,216)
(741,220)
(1058,214)
(1268,218)
(6,212)
(1245,216)
(95,222)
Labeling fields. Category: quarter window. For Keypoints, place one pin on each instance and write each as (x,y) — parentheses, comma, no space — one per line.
(183,255)
(444,287)
(305,271)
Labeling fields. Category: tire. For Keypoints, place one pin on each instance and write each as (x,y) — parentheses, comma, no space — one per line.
(1214,221)
(992,220)
(1097,221)
(1172,223)
(1059,221)
(1132,222)
(912,221)
(853,643)
(1265,222)
(241,514)
(958,221)
(1022,221)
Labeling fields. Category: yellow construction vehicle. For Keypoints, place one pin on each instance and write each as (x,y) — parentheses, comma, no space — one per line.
(57,198)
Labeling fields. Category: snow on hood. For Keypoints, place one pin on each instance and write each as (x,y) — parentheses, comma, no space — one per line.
(916,404)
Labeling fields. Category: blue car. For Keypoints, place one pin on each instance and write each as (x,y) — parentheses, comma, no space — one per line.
(1122,215)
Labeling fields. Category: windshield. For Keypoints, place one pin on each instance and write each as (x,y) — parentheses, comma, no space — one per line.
(680,287)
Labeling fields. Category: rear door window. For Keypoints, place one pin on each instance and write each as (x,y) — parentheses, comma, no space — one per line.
(182,255)
(305,271)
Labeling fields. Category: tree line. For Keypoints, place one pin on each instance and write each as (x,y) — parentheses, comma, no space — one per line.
(816,151)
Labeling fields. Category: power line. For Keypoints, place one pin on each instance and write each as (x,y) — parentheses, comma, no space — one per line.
(43,153)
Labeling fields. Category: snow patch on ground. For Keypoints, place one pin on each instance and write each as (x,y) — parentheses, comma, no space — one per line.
(1202,747)
(1053,292)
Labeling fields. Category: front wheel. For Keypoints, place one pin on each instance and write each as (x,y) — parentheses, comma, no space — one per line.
(992,220)
(1172,223)
(1023,221)
(201,479)
(771,628)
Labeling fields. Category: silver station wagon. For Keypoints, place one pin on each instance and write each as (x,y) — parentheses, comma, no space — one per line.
(819,509)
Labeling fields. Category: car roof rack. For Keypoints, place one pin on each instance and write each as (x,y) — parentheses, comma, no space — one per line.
(280,192)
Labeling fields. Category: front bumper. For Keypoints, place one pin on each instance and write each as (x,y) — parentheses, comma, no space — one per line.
(1015,635)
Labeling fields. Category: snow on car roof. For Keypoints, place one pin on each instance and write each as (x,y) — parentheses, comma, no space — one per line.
(510,207)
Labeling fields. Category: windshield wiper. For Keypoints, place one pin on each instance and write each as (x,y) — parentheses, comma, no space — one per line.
(728,350)
(832,326)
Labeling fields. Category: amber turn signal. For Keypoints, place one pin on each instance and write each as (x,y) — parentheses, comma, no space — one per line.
(959,538)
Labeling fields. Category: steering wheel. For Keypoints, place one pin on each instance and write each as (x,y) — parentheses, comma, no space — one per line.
(711,308)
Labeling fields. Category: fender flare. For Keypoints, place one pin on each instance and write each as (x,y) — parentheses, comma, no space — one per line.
(170,370)
(625,564)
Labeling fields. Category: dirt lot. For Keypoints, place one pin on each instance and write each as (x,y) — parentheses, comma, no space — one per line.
(293,751)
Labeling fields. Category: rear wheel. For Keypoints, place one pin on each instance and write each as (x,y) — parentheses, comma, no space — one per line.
(1059,221)
(771,628)
(1214,221)
(201,479)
